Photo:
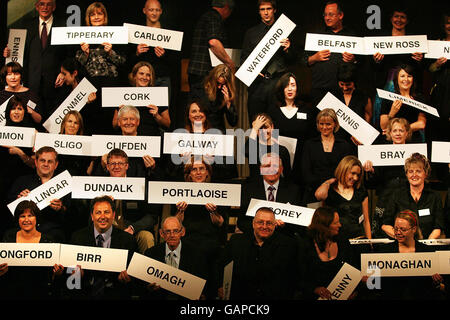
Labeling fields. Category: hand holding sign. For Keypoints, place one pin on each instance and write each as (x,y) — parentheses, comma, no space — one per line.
(85,48)
(348,57)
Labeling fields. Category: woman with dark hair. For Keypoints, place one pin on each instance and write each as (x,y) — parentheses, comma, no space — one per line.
(12,75)
(418,197)
(406,233)
(322,253)
(27,282)
(346,193)
(404,85)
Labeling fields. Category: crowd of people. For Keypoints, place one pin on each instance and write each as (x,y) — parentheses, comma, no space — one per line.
(273,259)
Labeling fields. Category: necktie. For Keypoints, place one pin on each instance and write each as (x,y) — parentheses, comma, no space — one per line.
(44,35)
(100,240)
(271,196)
(171,260)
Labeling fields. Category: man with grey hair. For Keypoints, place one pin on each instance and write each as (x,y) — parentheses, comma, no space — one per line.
(209,33)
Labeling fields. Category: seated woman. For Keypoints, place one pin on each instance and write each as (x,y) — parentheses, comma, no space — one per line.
(12,75)
(417,197)
(153,119)
(346,194)
(386,179)
(27,282)
(406,233)
(321,155)
(322,253)
(261,142)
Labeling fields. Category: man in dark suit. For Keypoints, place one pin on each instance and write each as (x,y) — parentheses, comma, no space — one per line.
(181,255)
(42,61)
(270,186)
(99,284)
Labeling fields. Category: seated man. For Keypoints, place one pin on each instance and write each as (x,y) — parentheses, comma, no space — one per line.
(137,217)
(264,262)
(52,217)
(178,254)
(99,284)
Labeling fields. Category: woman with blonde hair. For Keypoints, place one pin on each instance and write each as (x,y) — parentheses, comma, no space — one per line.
(346,193)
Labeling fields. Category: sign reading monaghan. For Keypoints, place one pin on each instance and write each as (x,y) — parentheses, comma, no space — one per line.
(155,37)
(135,96)
(194,193)
(349,120)
(89,34)
(410,102)
(265,50)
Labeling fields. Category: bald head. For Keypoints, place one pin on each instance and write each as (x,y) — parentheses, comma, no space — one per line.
(171,231)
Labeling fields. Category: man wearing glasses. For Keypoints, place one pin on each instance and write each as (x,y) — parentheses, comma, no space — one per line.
(176,253)
(264,261)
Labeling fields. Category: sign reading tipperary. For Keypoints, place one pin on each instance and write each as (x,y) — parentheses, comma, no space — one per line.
(94,258)
(265,50)
(75,101)
(410,102)
(194,193)
(89,34)
(16,43)
(349,120)
(334,43)
(65,143)
(438,49)
(17,136)
(29,254)
(287,213)
(55,188)
(155,37)
(134,146)
(440,151)
(400,264)
(168,277)
(344,283)
(119,188)
(199,144)
(389,154)
(135,96)
(396,45)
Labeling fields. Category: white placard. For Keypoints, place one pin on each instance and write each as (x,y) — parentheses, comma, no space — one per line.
(290,144)
(16,43)
(438,49)
(286,212)
(410,102)
(168,277)
(349,120)
(344,283)
(444,261)
(75,101)
(2,111)
(220,194)
(155,37)
(119,188)
(435,242)
(396,44)
(390,154)
(234,54)
(334,43)
(17,136)
(135,96)
(198,144)
(94,258)
(65,144)
(227,277)
(134,146)
(440,151)
(400,264)
(89,34)
(370,241)
(29,254)
(265,50)
(55,188)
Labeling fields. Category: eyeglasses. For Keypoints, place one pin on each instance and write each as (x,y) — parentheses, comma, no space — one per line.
(401,230)
(175,231)
(261,223)
(119,164)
